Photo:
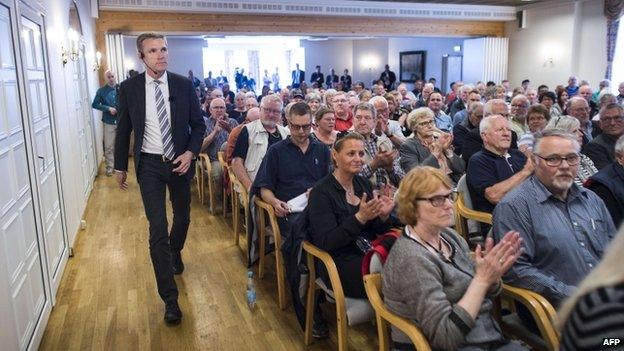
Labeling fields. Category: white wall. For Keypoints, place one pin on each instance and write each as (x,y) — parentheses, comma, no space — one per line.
(57,23)
(333,53)
(369,58)
(435,47)
(184,54)
(550,32)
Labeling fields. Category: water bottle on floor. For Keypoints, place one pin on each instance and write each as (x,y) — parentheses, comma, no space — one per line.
(251,291)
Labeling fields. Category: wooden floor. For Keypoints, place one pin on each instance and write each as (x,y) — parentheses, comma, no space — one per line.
(107,299)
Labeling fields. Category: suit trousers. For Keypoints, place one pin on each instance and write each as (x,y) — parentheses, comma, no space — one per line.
(154,177)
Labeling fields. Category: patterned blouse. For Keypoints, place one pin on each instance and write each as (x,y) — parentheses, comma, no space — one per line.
(586,170)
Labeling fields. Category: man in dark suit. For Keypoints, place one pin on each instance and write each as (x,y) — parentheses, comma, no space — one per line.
(298,76)
(162,109)
(331,79)
(388,78)
(345,79)
(317,77)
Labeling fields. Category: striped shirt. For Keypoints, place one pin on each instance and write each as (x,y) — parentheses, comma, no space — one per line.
(563,241)
(596,317)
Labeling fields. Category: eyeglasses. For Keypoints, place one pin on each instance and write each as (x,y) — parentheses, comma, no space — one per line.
(555,160)
(425,123)
(439,200)
(270,110)
(616,119)
(519,105)
(302,128)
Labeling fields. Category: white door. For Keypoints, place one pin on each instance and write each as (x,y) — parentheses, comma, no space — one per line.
(84,122)
(22,295)
(38,112)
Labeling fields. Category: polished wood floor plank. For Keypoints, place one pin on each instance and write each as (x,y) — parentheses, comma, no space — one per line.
(107,299)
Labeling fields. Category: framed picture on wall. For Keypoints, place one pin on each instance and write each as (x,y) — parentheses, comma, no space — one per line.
(412,65)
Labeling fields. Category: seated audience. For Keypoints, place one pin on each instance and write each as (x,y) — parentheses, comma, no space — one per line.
(594,313)
(608,183)
(601,149)
(314,101)
(430,278)
(578,108)
(460,103)
(255,138)
(343,210)
(474,117)
(250,103)
(218,126)
(473,141)
(573,126)
(565,228)
(277,180)
(562,100)
(238,111)
(548,99)
(517,119)
(344,116)
(386,126)
(473,96)
(442,120)
(496,169)
(537,118)
(324,122)
(381,161)
(252,115)
(429,146)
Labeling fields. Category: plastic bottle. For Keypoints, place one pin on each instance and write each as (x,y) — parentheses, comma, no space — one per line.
(251,291)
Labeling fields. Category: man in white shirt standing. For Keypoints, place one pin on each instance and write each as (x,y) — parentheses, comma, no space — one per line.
(162,109)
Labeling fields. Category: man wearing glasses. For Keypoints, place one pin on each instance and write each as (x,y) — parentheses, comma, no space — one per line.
(292,166)
(601,149)
(578,108)
(255,138)
(519,109)
(565,228)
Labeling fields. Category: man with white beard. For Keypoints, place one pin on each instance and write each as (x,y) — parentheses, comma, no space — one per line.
(565,228)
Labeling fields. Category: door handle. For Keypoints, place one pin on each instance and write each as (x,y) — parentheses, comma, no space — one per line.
(44,162)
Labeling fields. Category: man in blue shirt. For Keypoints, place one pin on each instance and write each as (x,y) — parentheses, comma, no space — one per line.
(292,166)
(496,169)
(106,101)
(442,120)
(565,228)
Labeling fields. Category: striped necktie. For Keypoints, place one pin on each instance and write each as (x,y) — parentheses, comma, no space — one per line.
(163,122)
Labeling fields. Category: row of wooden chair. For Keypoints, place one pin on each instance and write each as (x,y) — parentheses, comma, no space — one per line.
(541,310)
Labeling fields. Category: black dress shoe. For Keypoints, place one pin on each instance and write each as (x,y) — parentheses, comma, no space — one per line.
(173,314)
(178,265)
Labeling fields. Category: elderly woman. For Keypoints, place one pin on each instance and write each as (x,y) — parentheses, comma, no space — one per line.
(537,118)
(325,121)
(430,278)
(314,101)
(608,183)
(239,112)
(572,125)
(429,146)
(343,209)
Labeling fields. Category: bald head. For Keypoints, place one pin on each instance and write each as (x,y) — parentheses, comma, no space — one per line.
(217,108)
(253,114)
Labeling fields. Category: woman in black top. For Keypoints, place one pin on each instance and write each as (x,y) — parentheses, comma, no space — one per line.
(342,208)
(595,313)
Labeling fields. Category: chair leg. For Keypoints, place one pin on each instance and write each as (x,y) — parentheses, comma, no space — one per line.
(382,332)
(210,194)
(224,202)
(310,307)
(261,238)
(235,216)
(341,324)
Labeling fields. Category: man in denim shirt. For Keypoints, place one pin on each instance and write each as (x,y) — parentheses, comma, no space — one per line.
(565,228)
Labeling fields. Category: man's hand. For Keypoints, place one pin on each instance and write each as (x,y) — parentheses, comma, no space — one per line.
(112,111)
(224,125)
(184,161)
(281,208)
(121,176)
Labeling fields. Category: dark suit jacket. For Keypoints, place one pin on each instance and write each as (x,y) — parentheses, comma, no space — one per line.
(317,77)
(601,150)
(187,124)
(296,84)
(473,143)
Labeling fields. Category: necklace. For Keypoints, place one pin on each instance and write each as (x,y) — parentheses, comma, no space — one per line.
(348,190)
(414,236)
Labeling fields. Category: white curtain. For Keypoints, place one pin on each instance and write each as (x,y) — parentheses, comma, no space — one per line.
(228,54)
(254,66)
(286,77)
(115,55)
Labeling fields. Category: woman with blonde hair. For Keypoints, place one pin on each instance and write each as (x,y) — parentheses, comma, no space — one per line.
(429,146)
(596,311)
(430,278)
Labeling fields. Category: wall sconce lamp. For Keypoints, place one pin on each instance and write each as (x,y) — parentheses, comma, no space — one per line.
(98,61)
(549,62)
(73,52)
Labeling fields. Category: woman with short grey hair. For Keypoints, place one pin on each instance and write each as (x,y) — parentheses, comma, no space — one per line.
(572,125)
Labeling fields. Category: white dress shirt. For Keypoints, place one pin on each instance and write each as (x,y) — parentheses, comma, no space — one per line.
(152,138)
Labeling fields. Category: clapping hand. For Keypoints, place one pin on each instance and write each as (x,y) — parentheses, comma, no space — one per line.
(497,259)
(281,208)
